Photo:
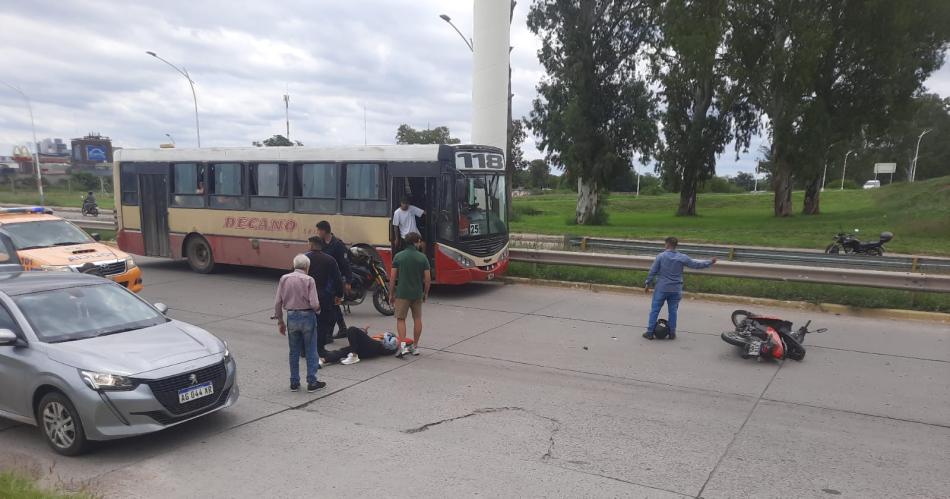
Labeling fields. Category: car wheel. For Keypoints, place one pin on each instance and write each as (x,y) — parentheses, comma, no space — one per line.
(200,257)
(61,425)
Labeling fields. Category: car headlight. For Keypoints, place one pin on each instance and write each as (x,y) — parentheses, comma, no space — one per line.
(227,351)
(461,259)
(130,263)
(106,381)
(58,268)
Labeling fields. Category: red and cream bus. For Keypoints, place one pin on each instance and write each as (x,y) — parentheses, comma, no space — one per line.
(257,206)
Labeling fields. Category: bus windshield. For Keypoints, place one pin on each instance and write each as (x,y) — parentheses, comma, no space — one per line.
(482,205)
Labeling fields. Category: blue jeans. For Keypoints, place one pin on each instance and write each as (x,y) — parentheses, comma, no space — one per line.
(302,335)
(672,299)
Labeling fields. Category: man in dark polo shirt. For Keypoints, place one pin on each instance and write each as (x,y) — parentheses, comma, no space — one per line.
(411,279)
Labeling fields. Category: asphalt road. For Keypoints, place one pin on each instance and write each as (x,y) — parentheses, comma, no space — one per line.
(524,391)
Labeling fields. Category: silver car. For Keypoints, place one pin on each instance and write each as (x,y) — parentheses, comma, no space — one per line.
(85,359)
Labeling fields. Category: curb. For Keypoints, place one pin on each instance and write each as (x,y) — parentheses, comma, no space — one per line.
(831,308)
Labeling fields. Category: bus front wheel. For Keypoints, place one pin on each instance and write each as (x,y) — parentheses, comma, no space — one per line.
(200,257)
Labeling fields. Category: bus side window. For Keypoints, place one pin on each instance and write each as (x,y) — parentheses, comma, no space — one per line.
(227,186)
(188,185)
(130,185)
(315,187)
(364,190)
(267,187)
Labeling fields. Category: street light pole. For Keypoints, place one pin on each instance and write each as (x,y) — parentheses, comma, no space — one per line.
(824,175)
(845,169)
(193,94)
(36,150)
(913,168)
(287,113)
(466,40)
(170,138)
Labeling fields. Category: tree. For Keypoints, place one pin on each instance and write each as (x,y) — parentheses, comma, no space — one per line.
(898,143)
(276,141)
(405,134)
(744,180)
(538,171)
(822,70)
(699,104)
(515,155)
(593,112)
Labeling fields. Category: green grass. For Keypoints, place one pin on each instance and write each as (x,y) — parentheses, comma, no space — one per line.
(794,291)
(918,214)
(55,196)
(17,486)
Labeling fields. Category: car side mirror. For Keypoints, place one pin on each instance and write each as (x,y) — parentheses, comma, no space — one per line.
(8,337)
(161,307)
(96,236)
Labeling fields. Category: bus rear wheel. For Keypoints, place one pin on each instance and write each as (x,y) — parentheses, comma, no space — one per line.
(200,257)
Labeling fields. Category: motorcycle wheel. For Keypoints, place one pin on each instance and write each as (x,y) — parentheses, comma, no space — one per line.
(740,316)
(736,338)
(875,252)
(832,249)
(381,301)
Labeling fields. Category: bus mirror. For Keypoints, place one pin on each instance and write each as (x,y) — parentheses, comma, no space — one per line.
(96,236)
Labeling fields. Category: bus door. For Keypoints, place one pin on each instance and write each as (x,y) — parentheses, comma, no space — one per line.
(153,189)
(421,192)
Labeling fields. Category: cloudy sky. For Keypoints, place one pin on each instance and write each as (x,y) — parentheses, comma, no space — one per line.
(83,64)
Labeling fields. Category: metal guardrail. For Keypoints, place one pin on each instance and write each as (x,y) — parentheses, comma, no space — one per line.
(903,263)
(90,223)
(820,275)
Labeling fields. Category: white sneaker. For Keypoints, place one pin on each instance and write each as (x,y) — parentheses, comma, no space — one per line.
(350,359)
(412,349)
(321,362)
(402,350)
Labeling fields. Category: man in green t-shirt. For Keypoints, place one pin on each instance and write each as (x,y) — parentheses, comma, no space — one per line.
(408,289)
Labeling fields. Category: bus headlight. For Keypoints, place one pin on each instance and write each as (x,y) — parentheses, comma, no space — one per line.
(459,258)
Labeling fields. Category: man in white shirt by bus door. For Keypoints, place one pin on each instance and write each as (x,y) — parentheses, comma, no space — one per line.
(404,220)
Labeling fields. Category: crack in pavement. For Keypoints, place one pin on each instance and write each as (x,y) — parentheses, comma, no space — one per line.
(547,456)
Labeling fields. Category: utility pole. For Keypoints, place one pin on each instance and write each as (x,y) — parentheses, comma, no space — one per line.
(36,146)
(364,124)
(287,113)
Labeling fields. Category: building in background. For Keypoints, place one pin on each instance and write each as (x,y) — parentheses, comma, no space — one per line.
(92,154)
(52,147)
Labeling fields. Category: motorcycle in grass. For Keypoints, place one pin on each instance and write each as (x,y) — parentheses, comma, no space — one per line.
(369,275)
(851,245)
(759,336)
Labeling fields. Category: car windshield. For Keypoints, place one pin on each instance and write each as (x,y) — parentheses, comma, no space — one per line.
(482,208)
(45,233)
(82,312)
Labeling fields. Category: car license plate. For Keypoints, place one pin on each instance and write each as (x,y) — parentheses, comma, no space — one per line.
(195,392)
(754,347)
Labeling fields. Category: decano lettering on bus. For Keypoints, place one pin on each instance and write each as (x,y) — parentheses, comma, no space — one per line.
(255,223)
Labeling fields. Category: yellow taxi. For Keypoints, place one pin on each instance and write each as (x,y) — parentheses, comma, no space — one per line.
(47,242)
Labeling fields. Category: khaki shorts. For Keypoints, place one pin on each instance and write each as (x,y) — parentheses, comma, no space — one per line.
(404,306)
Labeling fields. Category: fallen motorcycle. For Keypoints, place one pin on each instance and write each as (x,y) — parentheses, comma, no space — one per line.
(759,336)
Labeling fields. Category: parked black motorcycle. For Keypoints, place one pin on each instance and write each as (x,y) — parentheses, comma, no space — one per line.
(369,275)
(851,245)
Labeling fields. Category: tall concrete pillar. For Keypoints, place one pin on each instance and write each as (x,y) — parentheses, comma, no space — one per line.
(491,39)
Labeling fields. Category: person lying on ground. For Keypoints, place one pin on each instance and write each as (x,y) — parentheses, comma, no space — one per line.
(363,346)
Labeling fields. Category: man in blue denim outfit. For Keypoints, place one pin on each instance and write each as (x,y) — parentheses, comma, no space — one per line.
(667,270)
(297,294)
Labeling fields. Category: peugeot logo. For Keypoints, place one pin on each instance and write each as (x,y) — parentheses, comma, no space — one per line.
(193,378)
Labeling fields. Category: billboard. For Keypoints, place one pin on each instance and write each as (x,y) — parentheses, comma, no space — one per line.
(96,153)
(884,168)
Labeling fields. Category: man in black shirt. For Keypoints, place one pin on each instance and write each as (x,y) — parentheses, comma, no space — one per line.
(325,272)
(337,249)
